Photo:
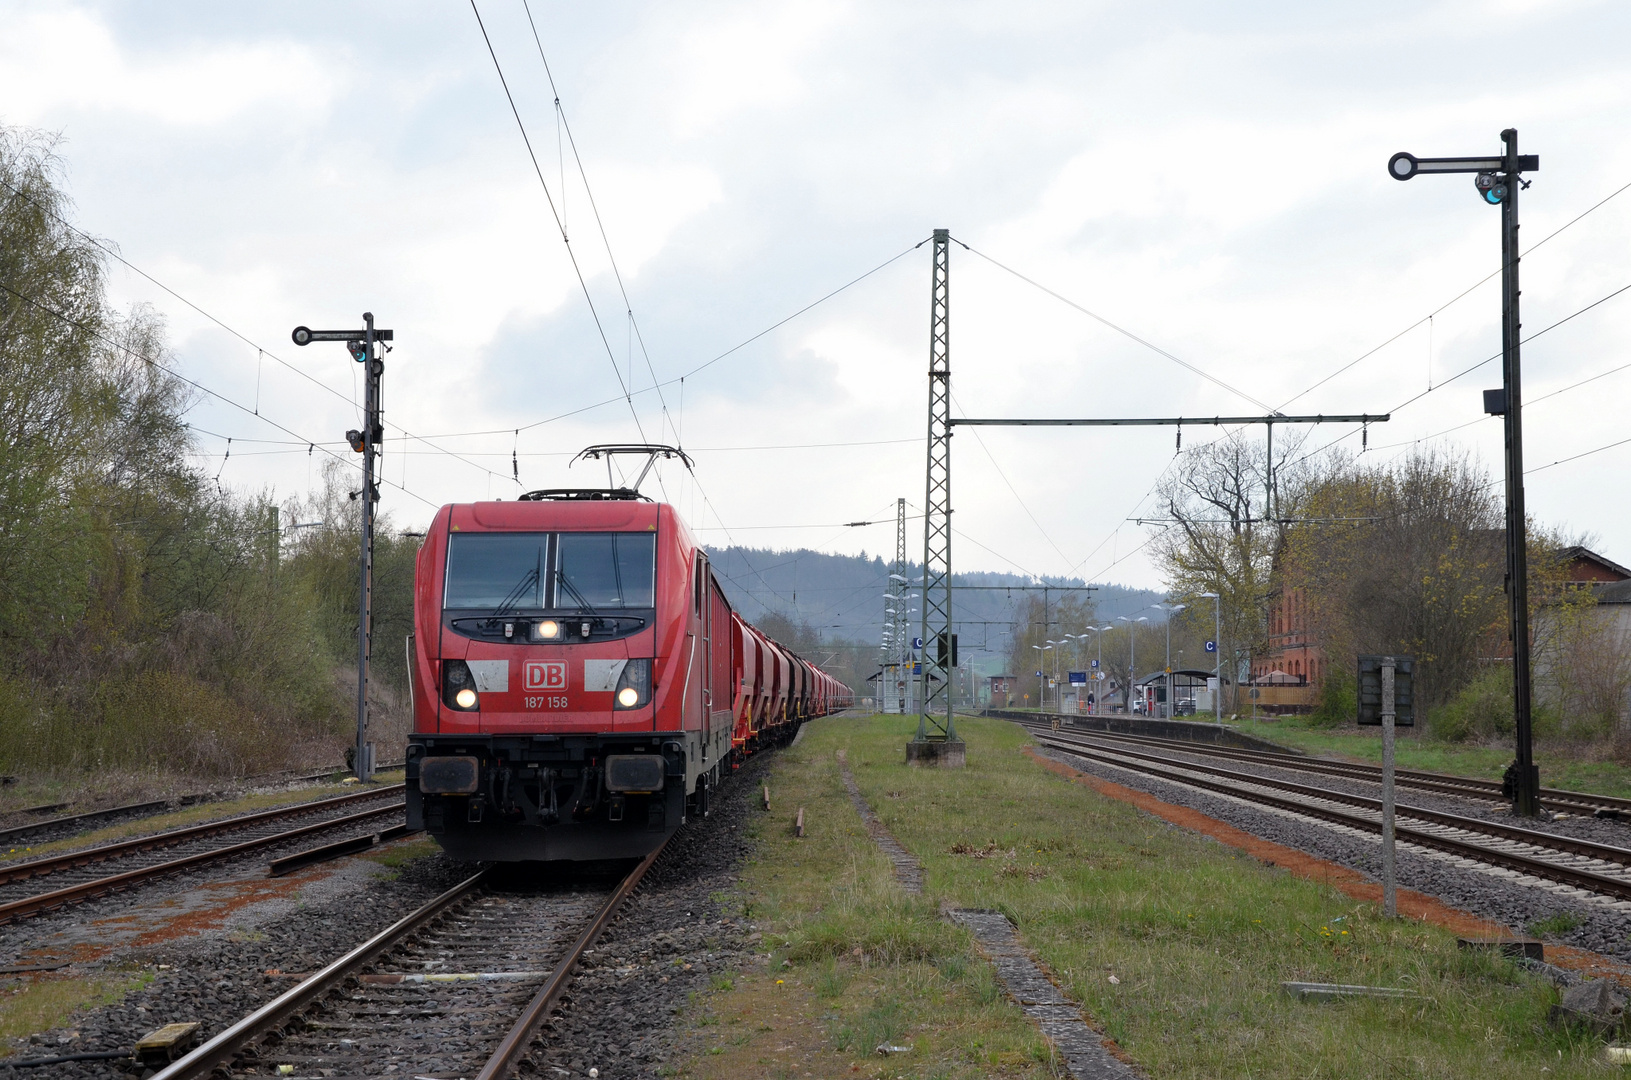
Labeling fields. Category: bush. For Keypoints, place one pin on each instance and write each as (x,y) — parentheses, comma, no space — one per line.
(1339,700)
(1481,711)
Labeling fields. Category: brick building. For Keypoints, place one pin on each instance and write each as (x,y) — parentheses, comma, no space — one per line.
(1294,655)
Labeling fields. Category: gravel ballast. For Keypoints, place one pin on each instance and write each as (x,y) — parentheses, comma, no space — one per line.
(618,1014)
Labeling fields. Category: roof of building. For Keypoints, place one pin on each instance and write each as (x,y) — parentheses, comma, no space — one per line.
(1612,592)
(1188,673)
(1603,565)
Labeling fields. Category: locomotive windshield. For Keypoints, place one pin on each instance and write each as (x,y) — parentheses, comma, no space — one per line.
(606,570)
(504,572)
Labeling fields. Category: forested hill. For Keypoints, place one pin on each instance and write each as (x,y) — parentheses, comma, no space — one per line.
(841,596)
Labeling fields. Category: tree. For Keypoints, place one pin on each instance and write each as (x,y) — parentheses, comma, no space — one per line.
(1219,536)
(1404,557)
(53,396)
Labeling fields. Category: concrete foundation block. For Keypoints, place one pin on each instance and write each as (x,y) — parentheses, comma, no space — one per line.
(937,754)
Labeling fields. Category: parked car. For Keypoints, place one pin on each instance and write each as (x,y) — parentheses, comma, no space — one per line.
(1185,707)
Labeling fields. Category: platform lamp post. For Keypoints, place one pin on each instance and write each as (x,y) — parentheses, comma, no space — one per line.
(363,345)
(1498,180)
(1216,647)
(1132,663)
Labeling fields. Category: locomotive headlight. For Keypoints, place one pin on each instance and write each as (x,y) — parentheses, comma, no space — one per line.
(546,630)
(633,686)
(459,686)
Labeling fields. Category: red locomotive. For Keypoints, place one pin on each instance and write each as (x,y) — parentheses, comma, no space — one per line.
(579,681)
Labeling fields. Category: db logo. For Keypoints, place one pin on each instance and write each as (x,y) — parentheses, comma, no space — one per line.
(544,675)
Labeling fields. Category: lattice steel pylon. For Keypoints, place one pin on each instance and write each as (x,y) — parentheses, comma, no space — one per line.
(934,720)
(896,601)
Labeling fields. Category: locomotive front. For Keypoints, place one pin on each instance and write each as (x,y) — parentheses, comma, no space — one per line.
(558,690)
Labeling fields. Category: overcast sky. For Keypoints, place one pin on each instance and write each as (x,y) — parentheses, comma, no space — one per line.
(1210,177)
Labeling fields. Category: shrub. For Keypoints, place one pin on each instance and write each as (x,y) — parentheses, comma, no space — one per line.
(1339,700)
(1481,711)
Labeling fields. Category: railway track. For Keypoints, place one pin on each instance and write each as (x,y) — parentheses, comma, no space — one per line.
(56,828)
(28,888)
(1580,802)
(457,988)
(1596,868)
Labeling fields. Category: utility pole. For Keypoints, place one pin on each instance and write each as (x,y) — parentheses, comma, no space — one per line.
(937,742)
(1498,180)
(363,345)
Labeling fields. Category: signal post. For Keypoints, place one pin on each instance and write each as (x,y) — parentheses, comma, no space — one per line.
(1498,179)
(364,346)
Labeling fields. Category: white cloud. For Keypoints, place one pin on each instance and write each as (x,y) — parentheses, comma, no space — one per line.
(55,61)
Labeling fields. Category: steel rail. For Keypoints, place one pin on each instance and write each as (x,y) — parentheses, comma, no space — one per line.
(222,1047)
(1572,845)
(155,805)
(21,871)
(1433,781)
(1440,782)
(33,905)
(18,831)
(338,849)
(515,1042)
(1580,879)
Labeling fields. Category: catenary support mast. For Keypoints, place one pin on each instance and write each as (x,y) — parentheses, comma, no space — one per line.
(935,720)
(900,644)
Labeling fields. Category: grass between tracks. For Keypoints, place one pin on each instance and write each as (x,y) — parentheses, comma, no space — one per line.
(32,1003)
(1197,938)
(1573,767)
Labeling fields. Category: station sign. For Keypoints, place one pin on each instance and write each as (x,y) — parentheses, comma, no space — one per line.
(1078,678)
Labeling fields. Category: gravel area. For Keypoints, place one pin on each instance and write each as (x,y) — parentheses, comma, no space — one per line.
(677,932)
(1514,904)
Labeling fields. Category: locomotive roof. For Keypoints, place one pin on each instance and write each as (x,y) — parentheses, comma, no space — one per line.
(587,515)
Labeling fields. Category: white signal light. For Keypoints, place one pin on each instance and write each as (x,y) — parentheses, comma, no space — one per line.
(547,629)
(628,697)
(466,698)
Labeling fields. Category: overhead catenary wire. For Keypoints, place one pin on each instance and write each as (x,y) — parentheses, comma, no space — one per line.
(1474,367)
(261,351)
(594,208)
(1010,485)
(1123,331)
(554,211)
(200,387)
(744,343)
(1463,294)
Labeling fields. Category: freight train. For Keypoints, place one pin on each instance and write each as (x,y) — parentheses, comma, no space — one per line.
(580,683)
